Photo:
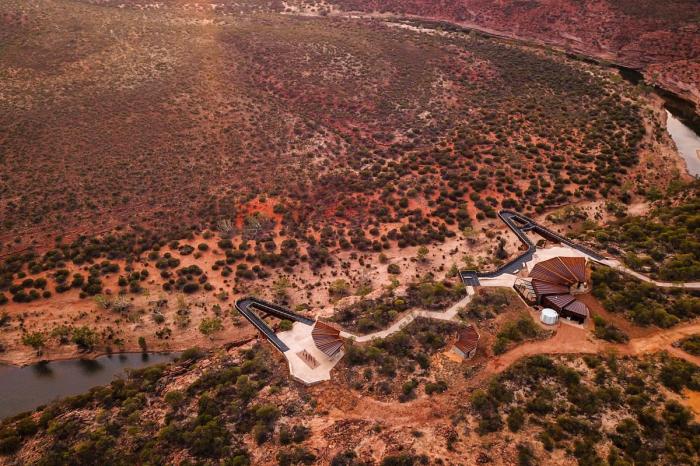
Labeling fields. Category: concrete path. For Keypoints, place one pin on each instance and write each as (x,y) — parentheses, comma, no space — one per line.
(449,315)
(617,265)
(299,341)
(506,279)
(534,255)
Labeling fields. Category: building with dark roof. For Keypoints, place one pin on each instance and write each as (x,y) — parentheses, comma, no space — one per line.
(558,301)
(576,310)
(569,271)
(542,288)
(554,280)
(467,342)
(327,338)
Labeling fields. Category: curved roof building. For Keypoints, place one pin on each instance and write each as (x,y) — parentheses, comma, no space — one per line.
(566,271)
(552,281)
(327,338)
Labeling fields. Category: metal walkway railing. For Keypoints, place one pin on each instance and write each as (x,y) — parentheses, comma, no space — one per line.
(247,306)
(519,224)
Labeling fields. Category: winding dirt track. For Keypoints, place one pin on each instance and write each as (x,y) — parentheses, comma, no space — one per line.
(574,340)
(342,404)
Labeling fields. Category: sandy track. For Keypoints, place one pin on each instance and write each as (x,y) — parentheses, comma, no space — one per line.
(567,340)
(341,404)
(573,340)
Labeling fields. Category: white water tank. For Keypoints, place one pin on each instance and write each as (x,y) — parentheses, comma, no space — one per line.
(549,316)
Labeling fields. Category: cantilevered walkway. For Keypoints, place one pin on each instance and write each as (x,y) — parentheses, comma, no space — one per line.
(307,363)
(247,307)
(520,224)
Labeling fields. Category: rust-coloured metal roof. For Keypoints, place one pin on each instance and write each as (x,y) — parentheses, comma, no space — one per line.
(559,301)
(577,307)
(468,339)
(543,288)
(577,266)
(561,270)
(327,338)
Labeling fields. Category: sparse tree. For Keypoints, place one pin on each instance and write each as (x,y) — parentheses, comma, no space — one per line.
(256,225)
(365,287)
(62,334)
(422,254)
(35,339)
(339,288)
(120,304)
(85,338)
(210,325)
(226,227)
(280,287)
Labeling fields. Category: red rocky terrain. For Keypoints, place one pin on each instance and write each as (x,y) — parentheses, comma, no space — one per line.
(643,34)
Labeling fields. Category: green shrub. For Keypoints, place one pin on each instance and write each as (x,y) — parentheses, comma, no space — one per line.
(192,354)
(691,344)
(85,337)
(285,325)
(677,374)
(526,455)
(663,243)
(516,419)
(36,340)
(643,303)
(438,387)
(608,331)
(9,444)
(190,288)
(514,332)
(298,455)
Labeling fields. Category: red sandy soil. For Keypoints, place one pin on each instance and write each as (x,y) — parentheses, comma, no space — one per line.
(574,340)
(347,411)
(183,121)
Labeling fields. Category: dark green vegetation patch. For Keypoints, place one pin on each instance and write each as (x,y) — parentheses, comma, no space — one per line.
(379,123)
(665,243)
(643,303)
(607,411)
(205,421)
(398,364)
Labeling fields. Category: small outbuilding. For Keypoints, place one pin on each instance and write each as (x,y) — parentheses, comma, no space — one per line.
(567,306)
(467,342)
(576,311)
(549,316)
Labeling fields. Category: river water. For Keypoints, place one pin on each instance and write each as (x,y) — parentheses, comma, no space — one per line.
(687,141)
(681,113)
(26,388)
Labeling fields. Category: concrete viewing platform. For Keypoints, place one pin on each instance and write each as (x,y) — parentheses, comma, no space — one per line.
(307,364)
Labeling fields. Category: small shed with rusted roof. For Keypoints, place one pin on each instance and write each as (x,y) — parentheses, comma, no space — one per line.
(467,342)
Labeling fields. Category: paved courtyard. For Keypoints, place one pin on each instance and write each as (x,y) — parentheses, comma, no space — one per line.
(299,339)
